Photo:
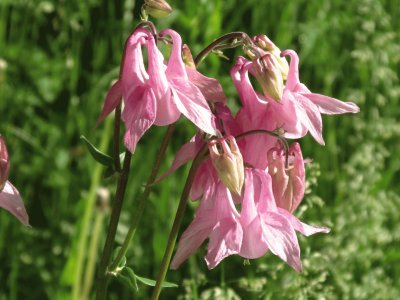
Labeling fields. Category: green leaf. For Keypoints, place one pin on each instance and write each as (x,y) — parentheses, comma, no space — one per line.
(128,282)
(99,156)
(152,282)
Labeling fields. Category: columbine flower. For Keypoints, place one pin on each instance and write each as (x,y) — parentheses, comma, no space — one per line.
(9,196)
(307,106)
(288,182)
(228,162)
(159,94)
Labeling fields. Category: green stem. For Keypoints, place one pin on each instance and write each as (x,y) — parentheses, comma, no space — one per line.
(92,258)
(102,281)
(233,35)
(80,250)
(177,222)
(143,200)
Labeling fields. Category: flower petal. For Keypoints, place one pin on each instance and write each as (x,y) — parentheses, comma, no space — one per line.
(331,106)
(225,240)
(293,75)
(305,229)
(176,67)
(139,114)
(310,116)
(12,201)
(190,101)
(113,98)
(210,87)
(281,239)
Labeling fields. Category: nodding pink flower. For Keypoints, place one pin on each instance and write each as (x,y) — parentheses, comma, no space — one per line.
(307,107)
(259,226)
(159,94)
(288,182)
(10,199)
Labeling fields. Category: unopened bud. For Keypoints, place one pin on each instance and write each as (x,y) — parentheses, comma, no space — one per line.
(267,45)
(157,8)
(228,162)
(4,163)
(269,76)
(288,181)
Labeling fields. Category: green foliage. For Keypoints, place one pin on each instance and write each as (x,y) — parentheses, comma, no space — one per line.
(57,60)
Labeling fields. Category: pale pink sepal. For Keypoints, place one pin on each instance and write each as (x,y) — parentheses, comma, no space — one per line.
(139,114)
(12,202)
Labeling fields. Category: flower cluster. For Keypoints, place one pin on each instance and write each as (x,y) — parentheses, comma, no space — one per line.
(9,196)
(252,180)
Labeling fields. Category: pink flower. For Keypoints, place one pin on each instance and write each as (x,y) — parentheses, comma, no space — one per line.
(259,226)
(159,94)
(288,183)
(304,106)
(9,196)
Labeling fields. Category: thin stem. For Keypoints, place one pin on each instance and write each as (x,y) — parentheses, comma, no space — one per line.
(210,47)
(271,133)
(89,201)
(102,281)
(135,220)
(177,222)
(117,125)
(92,257)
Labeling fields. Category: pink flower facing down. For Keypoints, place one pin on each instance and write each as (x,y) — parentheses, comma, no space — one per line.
(9,196)
(161,93)
(259,226)
(299,110)
(288,183)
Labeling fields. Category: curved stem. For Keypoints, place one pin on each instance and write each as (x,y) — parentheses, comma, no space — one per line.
(143,200)
(271,133)
(209,48)
(102,281)
(177,222)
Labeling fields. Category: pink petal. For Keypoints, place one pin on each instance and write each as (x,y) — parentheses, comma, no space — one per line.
(332,106)
(281,239)
(310,116)
(186,153)
(176,67)
(133,69)
(305,229)
(253,245)
(191,239)
(167,111)
(190,101)
(293,75)
(225,240)
(139,114)
(12,201)
(210,87)
(113,98)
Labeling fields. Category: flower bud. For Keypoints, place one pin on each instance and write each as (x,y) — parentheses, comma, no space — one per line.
(267,45)
(269,76)
(228,162)
(157,8)
(4,163)
(288,182)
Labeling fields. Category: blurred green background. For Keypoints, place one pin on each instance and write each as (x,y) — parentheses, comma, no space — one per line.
(57,60)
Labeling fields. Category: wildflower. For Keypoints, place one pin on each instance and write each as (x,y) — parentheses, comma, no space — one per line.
(9,196)
(288,182)
(306,106)
(159,94)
